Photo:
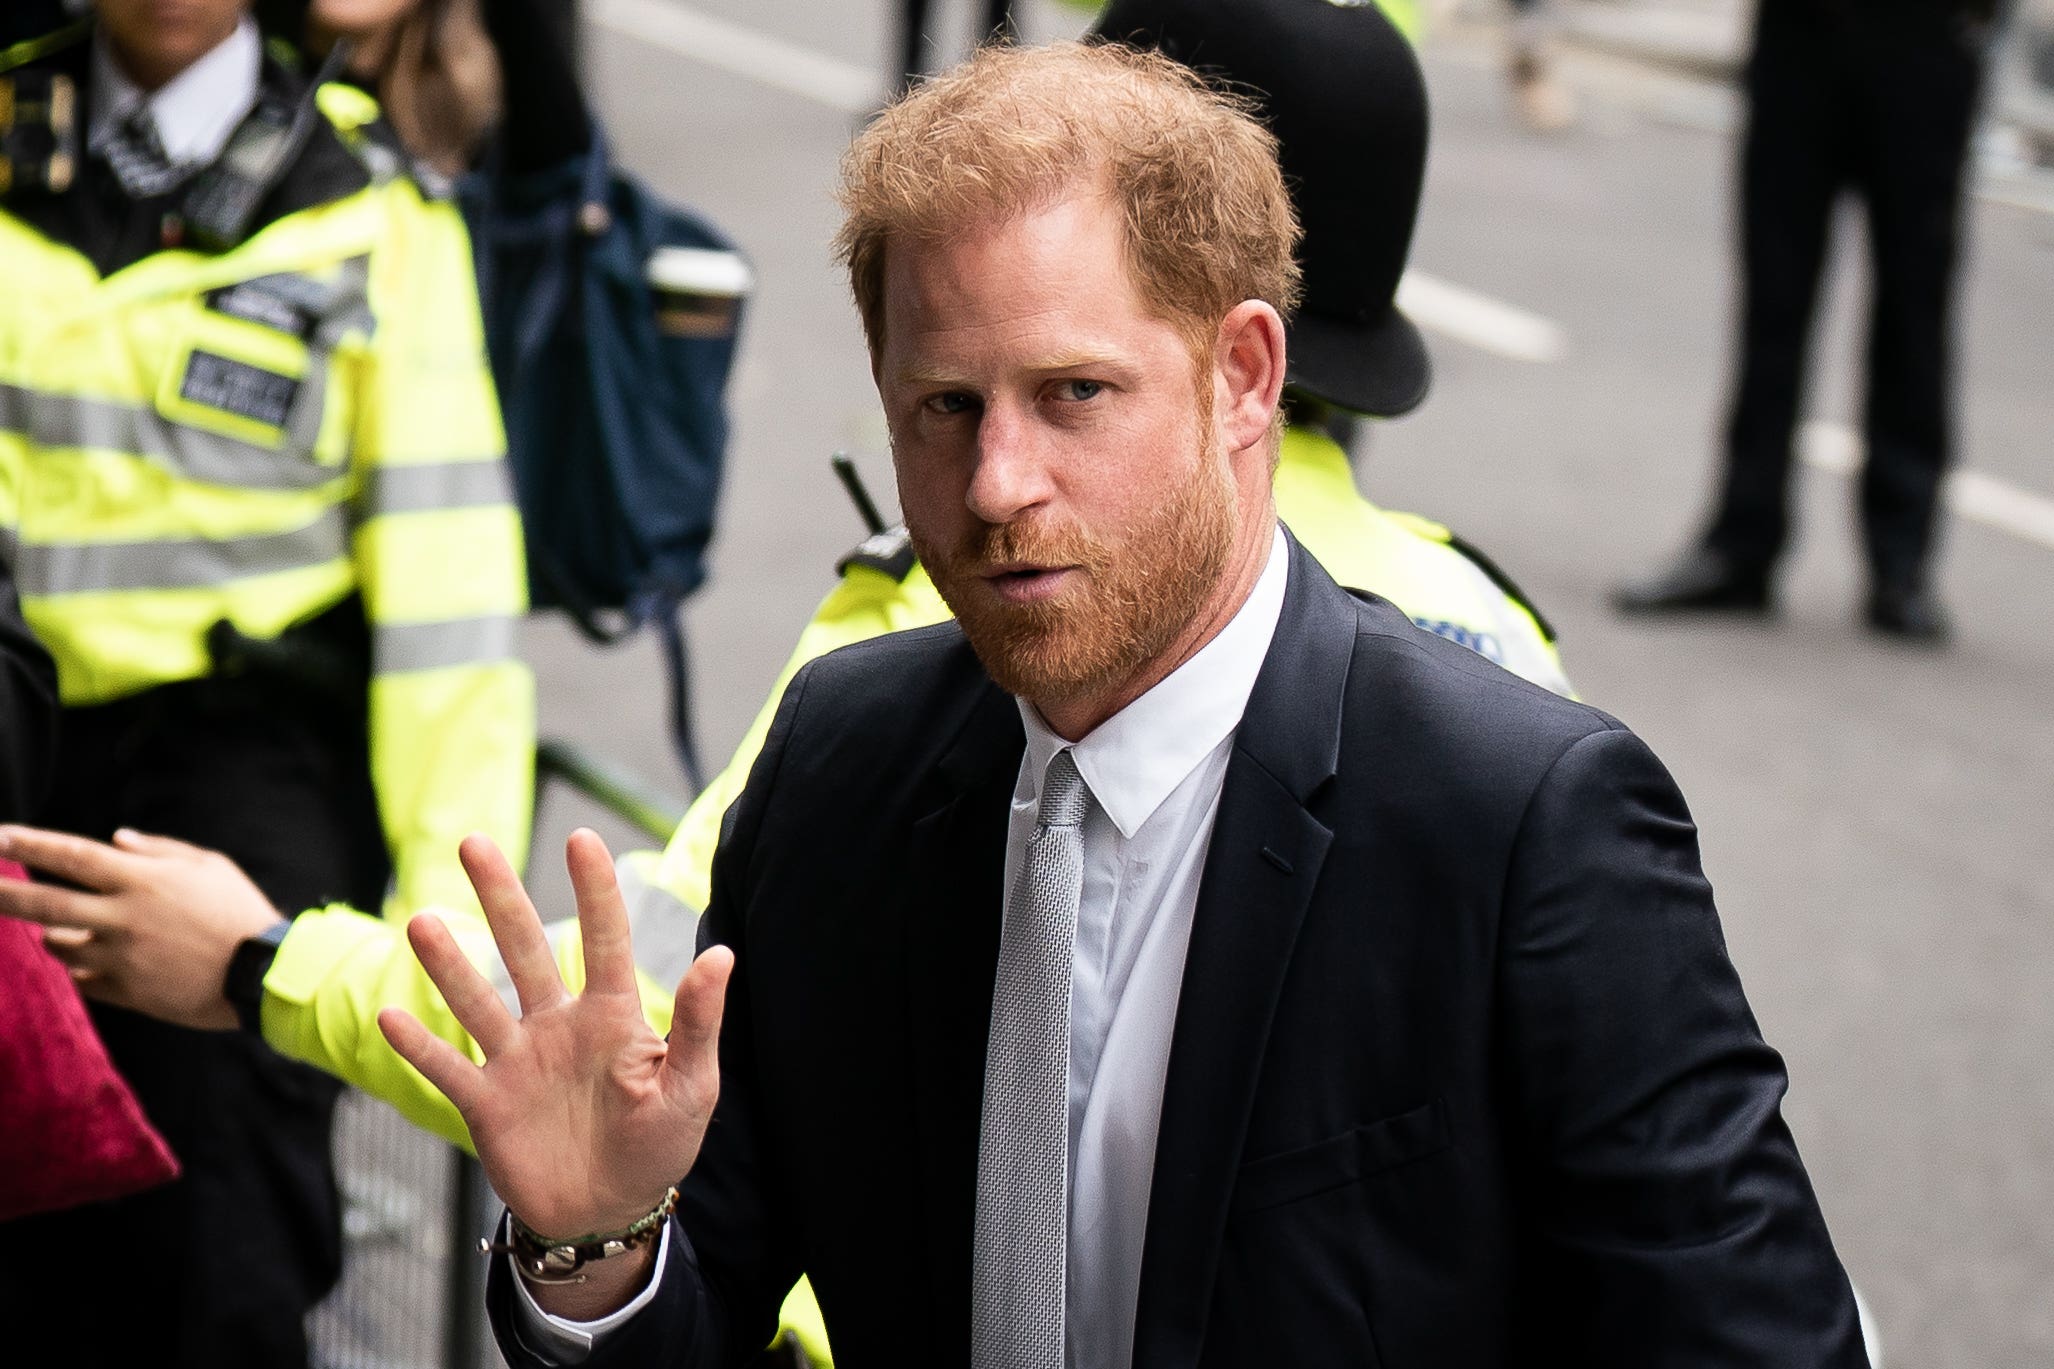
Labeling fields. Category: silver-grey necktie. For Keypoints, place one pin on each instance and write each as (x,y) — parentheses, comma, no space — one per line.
(137,157)
(1017,1269)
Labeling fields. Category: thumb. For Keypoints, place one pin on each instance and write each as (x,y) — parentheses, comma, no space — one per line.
(695,1016)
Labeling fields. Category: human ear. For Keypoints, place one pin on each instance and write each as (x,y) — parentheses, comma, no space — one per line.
(1248,374)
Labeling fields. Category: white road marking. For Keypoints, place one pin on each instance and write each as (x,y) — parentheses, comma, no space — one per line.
(744,52)
(1972,495)
(1463,314)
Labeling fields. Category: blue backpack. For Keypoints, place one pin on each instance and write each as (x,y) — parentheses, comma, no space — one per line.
(613,394)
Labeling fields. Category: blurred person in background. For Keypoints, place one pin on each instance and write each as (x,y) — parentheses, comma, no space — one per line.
(1878,98)
(1543,102)
(253,495)
(462,82)
(913,36)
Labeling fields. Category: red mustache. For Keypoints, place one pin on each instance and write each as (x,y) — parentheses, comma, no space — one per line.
(1030,544)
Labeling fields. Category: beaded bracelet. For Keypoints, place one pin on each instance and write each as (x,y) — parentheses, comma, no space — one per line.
(544,1260)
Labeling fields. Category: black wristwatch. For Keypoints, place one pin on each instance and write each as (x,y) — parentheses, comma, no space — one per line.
(246,970)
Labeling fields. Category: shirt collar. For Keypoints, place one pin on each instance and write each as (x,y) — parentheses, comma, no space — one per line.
(1136,759)
(196,110)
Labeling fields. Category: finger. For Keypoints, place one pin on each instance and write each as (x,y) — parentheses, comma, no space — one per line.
(149,844)
(695,1016)
(471,998)
(89,864)
(66,942)
(442,1064)
(73,946)
(602,915)
(515,927)
(76,950)
(54,907)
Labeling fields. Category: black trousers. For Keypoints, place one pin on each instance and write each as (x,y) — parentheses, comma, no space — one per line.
(218,1269)
(1877,97)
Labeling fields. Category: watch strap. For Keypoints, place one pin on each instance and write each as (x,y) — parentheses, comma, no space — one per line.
(251,961)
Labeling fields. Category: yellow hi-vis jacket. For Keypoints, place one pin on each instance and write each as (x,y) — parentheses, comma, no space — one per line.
(336,969)
(255,436)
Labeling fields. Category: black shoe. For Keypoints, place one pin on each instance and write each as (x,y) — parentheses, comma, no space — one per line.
(1700,580)
(1910,612)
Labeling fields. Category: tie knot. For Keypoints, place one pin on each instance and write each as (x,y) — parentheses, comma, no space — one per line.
(1064,798)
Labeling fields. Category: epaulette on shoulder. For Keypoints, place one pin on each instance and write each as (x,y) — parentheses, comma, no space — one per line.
(28,52)
(889,553)
(1504,582)
(362,128)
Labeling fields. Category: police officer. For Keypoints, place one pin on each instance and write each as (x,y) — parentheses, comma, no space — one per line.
(1345,96)
(1877,97)
(253,494)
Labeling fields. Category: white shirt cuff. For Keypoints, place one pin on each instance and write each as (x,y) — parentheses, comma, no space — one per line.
(567,1341)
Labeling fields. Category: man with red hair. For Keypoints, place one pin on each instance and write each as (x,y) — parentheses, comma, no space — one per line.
(1244,975)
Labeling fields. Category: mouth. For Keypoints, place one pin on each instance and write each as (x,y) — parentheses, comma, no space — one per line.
(1026,584)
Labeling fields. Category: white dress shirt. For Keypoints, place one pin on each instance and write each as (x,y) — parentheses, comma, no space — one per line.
(195,111)
(1154,770)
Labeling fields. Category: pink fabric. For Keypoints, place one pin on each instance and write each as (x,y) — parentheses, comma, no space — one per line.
(71,1132)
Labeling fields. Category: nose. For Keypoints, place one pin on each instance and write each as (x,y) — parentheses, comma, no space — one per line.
(1011,475)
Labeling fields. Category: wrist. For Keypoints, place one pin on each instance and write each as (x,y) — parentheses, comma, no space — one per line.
(243,985)
(608,1287)
(545,1259)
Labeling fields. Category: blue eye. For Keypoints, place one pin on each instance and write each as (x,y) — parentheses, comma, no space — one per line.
(1081,389)
(952,402)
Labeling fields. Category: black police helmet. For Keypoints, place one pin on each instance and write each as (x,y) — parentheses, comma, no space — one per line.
(1344,94)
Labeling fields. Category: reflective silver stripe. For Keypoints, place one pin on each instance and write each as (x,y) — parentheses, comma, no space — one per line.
(431,646)
(51,420)
(185,563)
(443,485)
(335,307)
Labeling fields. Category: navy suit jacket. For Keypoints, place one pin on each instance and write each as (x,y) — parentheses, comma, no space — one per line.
(1461,1073)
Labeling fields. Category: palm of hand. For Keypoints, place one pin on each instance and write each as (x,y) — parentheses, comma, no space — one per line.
(582,1116)
(573,1149)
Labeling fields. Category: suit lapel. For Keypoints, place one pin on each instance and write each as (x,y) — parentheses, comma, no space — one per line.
(955,876)
(1260,872)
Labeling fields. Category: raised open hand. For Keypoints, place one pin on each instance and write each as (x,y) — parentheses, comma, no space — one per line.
(581,1115)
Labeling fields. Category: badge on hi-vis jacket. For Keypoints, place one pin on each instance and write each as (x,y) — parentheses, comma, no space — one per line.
(237,387)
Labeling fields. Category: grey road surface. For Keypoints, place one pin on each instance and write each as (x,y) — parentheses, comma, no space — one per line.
(1879,822)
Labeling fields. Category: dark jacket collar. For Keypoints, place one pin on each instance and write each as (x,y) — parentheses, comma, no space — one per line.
(96,219)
